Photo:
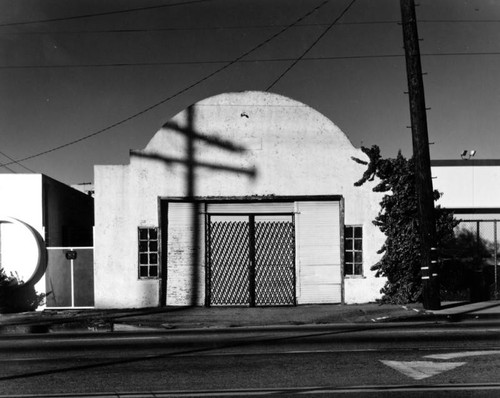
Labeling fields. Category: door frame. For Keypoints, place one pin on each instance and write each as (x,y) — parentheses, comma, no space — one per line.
(203,201)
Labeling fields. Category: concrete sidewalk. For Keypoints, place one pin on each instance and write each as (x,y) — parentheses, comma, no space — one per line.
(455,312)
(168,318)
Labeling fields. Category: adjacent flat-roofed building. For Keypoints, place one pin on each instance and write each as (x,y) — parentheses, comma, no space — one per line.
(469,187)
(63,218)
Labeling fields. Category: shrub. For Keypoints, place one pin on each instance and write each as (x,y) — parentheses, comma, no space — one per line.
(398,220)
(15,296)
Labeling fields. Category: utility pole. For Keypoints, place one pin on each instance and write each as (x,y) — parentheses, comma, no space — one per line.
(421,156)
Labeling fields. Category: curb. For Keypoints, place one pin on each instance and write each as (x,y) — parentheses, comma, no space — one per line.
(429,320)
(139,321)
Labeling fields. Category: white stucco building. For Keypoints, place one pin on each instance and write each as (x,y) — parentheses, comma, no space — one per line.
(241,199)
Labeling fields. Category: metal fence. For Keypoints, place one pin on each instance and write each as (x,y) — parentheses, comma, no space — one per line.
(69,278)
(470,264)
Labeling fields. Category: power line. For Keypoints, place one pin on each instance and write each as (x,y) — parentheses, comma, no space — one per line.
(459,54)
(8,168)
(239,27)
(458,21)
(198,82)
(15,162)
(173,63)
(296,61)
(99,14)
(194,28)
(241,61)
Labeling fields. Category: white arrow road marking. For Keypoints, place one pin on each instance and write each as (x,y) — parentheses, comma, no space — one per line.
(419,370)
(453,355)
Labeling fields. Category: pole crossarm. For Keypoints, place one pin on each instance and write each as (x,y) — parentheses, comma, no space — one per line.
(251,171)
(212,140)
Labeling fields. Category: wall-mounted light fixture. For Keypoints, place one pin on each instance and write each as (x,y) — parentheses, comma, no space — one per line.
(466,155)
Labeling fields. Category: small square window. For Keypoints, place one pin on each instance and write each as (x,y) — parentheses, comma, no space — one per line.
(148,252)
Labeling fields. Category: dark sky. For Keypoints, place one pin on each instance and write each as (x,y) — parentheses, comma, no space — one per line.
(66,75)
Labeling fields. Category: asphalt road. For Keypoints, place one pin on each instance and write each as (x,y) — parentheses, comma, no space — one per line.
(364,360)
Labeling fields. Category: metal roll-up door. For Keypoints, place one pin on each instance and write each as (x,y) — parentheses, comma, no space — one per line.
(318,252)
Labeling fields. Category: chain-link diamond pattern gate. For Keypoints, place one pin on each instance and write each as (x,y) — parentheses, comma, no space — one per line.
(251,260)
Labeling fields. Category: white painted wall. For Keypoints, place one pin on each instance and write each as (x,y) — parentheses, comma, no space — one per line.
(294,150)
(121,206)
(361,207)
(467,186)
(21,198)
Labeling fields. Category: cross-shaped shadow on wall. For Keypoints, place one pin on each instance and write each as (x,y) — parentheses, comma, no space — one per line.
(191,163)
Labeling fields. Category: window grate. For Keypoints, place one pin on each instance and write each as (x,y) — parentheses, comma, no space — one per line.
(275,263)
(251,263)
(229,263)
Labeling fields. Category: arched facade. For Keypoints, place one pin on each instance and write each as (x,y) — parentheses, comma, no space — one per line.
(241,199)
